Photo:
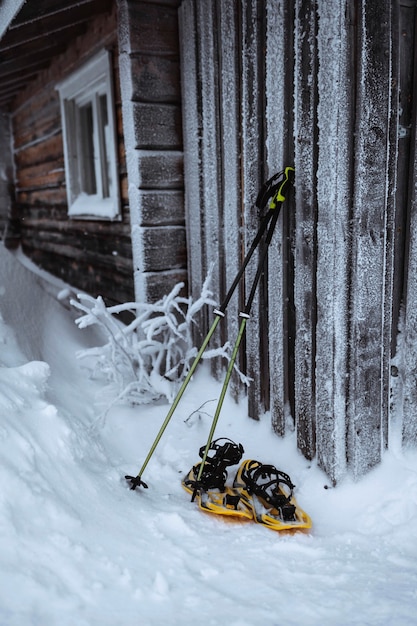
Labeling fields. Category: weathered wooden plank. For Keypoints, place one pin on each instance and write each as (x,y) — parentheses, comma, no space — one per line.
(407,208)
(153,286)
(157,126)
(229,96)
(252,37)
(47,148)
(278,91)
(155,79)
(306,152)
(369,234)
(335,120)
(42,197)
(152,29)
(161,170)
(210,243)
(6,179)
(390,323)
(47,220)
(162,208)
(163,248)
(97,280)
(41,175)
(40,103)
(60,251)
(409,370)
(194,217)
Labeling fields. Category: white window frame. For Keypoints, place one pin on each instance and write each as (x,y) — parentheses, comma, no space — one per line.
(84,88)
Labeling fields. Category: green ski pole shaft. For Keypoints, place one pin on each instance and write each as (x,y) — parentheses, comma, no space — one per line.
(136,480)
(223,392)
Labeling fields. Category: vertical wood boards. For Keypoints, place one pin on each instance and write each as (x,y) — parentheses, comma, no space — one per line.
(370,239)
(278,139)
(230,164)
(408,370)
(252,150)
(334,173)
(220,154)
(190,99)
(306,155)
(210,151)
(310,80)
(200,66)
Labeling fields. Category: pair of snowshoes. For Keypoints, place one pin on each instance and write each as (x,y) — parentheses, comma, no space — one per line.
(259,492)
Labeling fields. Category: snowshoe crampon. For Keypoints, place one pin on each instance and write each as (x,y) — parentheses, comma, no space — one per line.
(210,489)
(222,501)
(269,493)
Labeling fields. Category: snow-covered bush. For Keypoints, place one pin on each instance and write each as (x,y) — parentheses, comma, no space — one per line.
(148,358)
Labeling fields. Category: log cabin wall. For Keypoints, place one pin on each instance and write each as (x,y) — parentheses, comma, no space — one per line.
(6,176)
(151,94)
(314,84)
(91,255)
(142,255)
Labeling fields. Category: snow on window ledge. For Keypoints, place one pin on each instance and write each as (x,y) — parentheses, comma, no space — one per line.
(93,207)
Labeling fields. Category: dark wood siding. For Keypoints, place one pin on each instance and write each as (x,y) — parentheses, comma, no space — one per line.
(407,218)
(95,256)
(315,85)
(6,176)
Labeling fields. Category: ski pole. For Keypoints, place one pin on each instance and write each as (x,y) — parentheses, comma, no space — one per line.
(271,189)
(245,315)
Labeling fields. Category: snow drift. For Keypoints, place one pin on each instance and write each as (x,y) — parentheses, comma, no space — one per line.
(78,547)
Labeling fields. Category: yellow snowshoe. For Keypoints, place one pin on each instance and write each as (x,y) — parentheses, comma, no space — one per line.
(269,493)
(211,492)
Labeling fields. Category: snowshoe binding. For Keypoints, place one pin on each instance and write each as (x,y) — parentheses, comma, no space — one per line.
(269,494)
(210,491)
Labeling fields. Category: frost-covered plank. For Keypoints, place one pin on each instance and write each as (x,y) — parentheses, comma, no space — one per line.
(367,400)
(230,160)
(191,125)
(278,90)
(306,152)
(335,122)
(157,126)
(409,434)
(210,200)
(252,157)
(409,373)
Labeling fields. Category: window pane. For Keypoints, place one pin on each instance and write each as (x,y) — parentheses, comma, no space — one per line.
(87,172)
(106,142)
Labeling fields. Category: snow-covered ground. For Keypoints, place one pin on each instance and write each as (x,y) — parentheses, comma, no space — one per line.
(78,548)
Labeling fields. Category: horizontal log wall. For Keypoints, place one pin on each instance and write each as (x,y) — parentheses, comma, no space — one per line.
(6,174)
(94,256)
(149,66)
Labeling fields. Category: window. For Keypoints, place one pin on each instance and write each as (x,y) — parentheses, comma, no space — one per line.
(87,110)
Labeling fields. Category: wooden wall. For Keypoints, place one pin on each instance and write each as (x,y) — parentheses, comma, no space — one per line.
(94,256)
(150,80)
(6,175)
(312,83)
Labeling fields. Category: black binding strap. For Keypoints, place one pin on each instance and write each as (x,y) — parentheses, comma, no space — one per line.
(264,481)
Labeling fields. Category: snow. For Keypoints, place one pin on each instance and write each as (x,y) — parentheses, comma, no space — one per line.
(79,547)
